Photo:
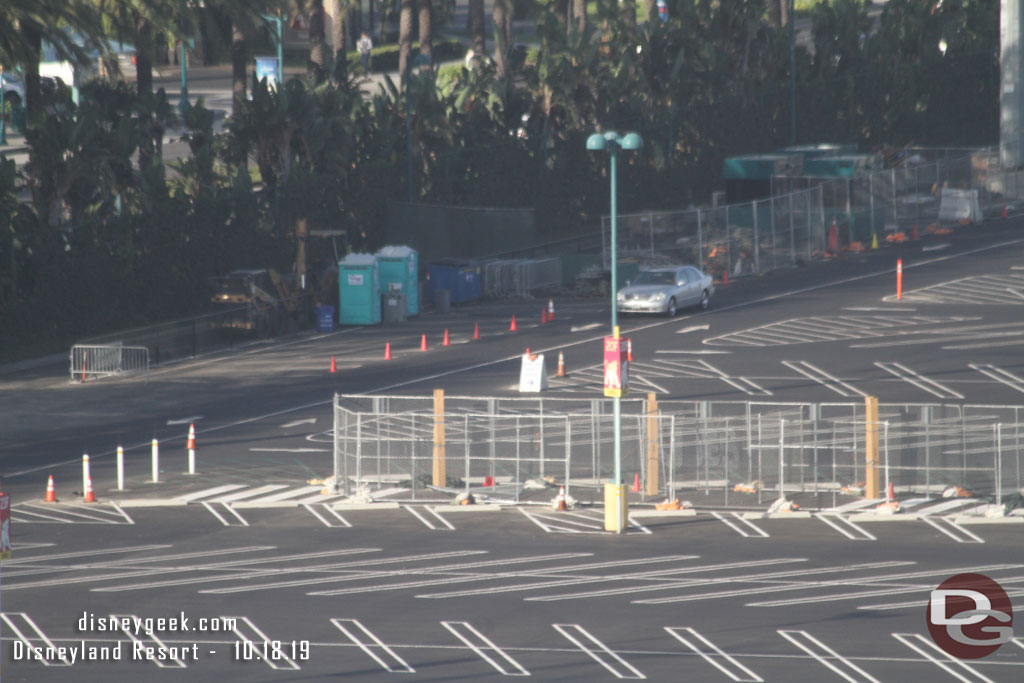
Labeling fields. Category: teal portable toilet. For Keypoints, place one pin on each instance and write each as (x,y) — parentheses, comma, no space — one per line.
(399,268)
(359,290)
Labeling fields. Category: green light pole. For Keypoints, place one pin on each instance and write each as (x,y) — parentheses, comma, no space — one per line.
(612,142)
(183,103)
(421,60)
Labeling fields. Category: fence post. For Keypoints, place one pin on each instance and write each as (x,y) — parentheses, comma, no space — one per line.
(807,220)
(359,450)
(998,428)
(491,410)
(671,456)
(757,241)
(871,203)
(885,448)
(568,450)
(728,242)
(540,403)
(792,233)
(871,447)
(771,216)
(650,227)
(782,458)
(440,476)
(652,444)
(466,437)
(700,242)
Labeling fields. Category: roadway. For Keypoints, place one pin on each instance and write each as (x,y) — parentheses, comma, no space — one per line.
(442,593)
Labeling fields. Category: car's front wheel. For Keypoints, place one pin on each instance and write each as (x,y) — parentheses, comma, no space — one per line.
(670,310)
(705,300)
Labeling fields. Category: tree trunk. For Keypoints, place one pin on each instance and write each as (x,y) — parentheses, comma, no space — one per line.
(239,64)
(579,15)
(784,6)
(562,10)
(317,62)
(476,27)
(144,85)
(652,11)
(775,13)
(629,10)
(426,29)
(404,35)
(339,40)
(502,23)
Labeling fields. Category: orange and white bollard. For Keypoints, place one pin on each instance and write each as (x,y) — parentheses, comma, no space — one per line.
(155,456)
(191,446)
(629,349)
(551,310)
(899,279)
(87,481)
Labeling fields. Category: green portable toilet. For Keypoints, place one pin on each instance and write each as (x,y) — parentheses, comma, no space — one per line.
(399,269)
(359,290)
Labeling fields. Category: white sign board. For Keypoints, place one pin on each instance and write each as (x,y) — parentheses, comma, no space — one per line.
(958,205)
(532,375)
(355,278)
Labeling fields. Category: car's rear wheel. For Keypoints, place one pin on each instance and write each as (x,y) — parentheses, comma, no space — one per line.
(670,311)
(705,300)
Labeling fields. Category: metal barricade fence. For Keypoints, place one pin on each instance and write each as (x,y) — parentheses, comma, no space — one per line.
(772,448)
(103,361)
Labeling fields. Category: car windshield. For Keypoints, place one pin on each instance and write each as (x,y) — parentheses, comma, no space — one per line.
(655,277)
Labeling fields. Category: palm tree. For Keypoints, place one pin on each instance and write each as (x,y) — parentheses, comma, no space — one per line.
(476,26)
(317,65)
(426,27)
(339,39)
(405,35)
(502,15)
(579,15)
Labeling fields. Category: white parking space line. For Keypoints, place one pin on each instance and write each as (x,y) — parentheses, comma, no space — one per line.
(17,619)
(222,520)
(329,511)
(919,603)
(939,658)
(739,524)
(276,659)
(829,657)
(69,513)
(953,530)
(151,641)
(481,644)
(856,505)
(396,663)
(980,289)
(1000,375)
(249,493)
(826,329)
(919,381)
(824,378)
(600,653)
(285,495)
(123,513)
(693,328)
(947,506)
(845,527)
(411,510)
(208,493)
(444,521)
(82,553)
(713,655)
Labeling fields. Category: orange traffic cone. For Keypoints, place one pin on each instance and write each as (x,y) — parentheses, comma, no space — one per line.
(1004,212)
(334,365)
(543,315)
(488,481)
(512,327)
(629,350)
(446,342)
(89,497)
(636,483)
(551,310)
(560,505)
(527,351)
(561,366)
(423,343)
(725,277)
(51,495)
(890,493)
(476,330)
(913,234)
(387,351)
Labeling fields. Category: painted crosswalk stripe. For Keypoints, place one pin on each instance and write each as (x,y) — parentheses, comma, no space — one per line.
(843,526)
(330,511)
(758,532)
(918,380)
(824,378)
(856,505)
(829,657)
(600,653)
(482,645)
(285,495)
(225,522)
(18,619)
(151,641)
(278,659)
(208,493)
(713,655)
(1000,375)
(411,510)
(939,658)
(395,664)
(249,493)
(953,530)
(946,506)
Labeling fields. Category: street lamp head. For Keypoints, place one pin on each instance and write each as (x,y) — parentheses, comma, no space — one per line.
(632,141)
(596,143)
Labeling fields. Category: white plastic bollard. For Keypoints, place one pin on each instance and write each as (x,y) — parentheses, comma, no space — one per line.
(120,468)
(85,472)
(156,461)
(191,445)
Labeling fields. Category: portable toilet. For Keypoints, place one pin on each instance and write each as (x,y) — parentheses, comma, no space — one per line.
(399,267)
(359,290)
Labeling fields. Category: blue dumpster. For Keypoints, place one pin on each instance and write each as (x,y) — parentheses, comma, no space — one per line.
(399,268)
(359,290)
(324,318)
(461,278)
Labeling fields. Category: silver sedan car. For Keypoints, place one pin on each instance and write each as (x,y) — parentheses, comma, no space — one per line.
(666,290)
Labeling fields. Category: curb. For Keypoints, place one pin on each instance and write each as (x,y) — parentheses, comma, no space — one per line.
(476,507)
(150,502)
(961,519)
(365,506)
(798,514)
(689,512)
(267,504)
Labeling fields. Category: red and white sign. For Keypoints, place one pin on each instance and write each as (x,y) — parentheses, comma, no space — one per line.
(616,367)
(5,526)
(970,616)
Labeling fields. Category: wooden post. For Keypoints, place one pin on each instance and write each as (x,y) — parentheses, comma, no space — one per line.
(652,445)
(871,485)
(440,476)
